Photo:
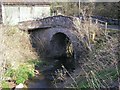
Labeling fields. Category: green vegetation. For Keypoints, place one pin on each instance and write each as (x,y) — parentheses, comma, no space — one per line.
(97,79)
(5,85)
(17,52)
(21,74)
(102,67)
(105,9)
(38,63)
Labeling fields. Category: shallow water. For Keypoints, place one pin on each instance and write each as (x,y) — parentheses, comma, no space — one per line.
(39,82)
(45,78)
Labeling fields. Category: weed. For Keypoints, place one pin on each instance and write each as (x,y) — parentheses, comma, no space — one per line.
(5,85)
(97,79)
(38,63)
(21,74)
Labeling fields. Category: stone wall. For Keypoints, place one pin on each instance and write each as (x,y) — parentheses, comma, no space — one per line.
(42,32)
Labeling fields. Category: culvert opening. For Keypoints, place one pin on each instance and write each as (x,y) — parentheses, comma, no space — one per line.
(62,51)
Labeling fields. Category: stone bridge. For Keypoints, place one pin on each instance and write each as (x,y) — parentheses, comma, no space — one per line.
(56,37)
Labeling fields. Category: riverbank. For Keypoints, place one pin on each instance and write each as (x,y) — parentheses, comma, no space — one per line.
(15,51)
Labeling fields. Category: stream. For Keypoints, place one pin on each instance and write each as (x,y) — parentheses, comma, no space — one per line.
(39,82)
(48,75)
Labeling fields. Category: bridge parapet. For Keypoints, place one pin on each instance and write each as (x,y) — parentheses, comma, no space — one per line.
(49,22)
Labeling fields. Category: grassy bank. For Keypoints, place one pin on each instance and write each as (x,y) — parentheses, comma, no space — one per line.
(16,52)
(102,69)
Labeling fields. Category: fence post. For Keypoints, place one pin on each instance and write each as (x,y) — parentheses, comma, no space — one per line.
(90,20)
(106,25)
(80,20)
(96,21)
(105,28)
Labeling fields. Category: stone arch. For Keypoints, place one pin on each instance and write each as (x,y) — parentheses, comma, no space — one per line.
(69,33)
(41,39)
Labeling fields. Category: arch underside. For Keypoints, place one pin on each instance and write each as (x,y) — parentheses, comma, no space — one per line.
(62,50)
(61,45)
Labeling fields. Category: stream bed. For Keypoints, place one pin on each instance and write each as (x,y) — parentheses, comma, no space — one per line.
(48,78)
(39,81)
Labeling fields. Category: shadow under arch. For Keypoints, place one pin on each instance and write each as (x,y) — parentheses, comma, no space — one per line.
(62,51)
